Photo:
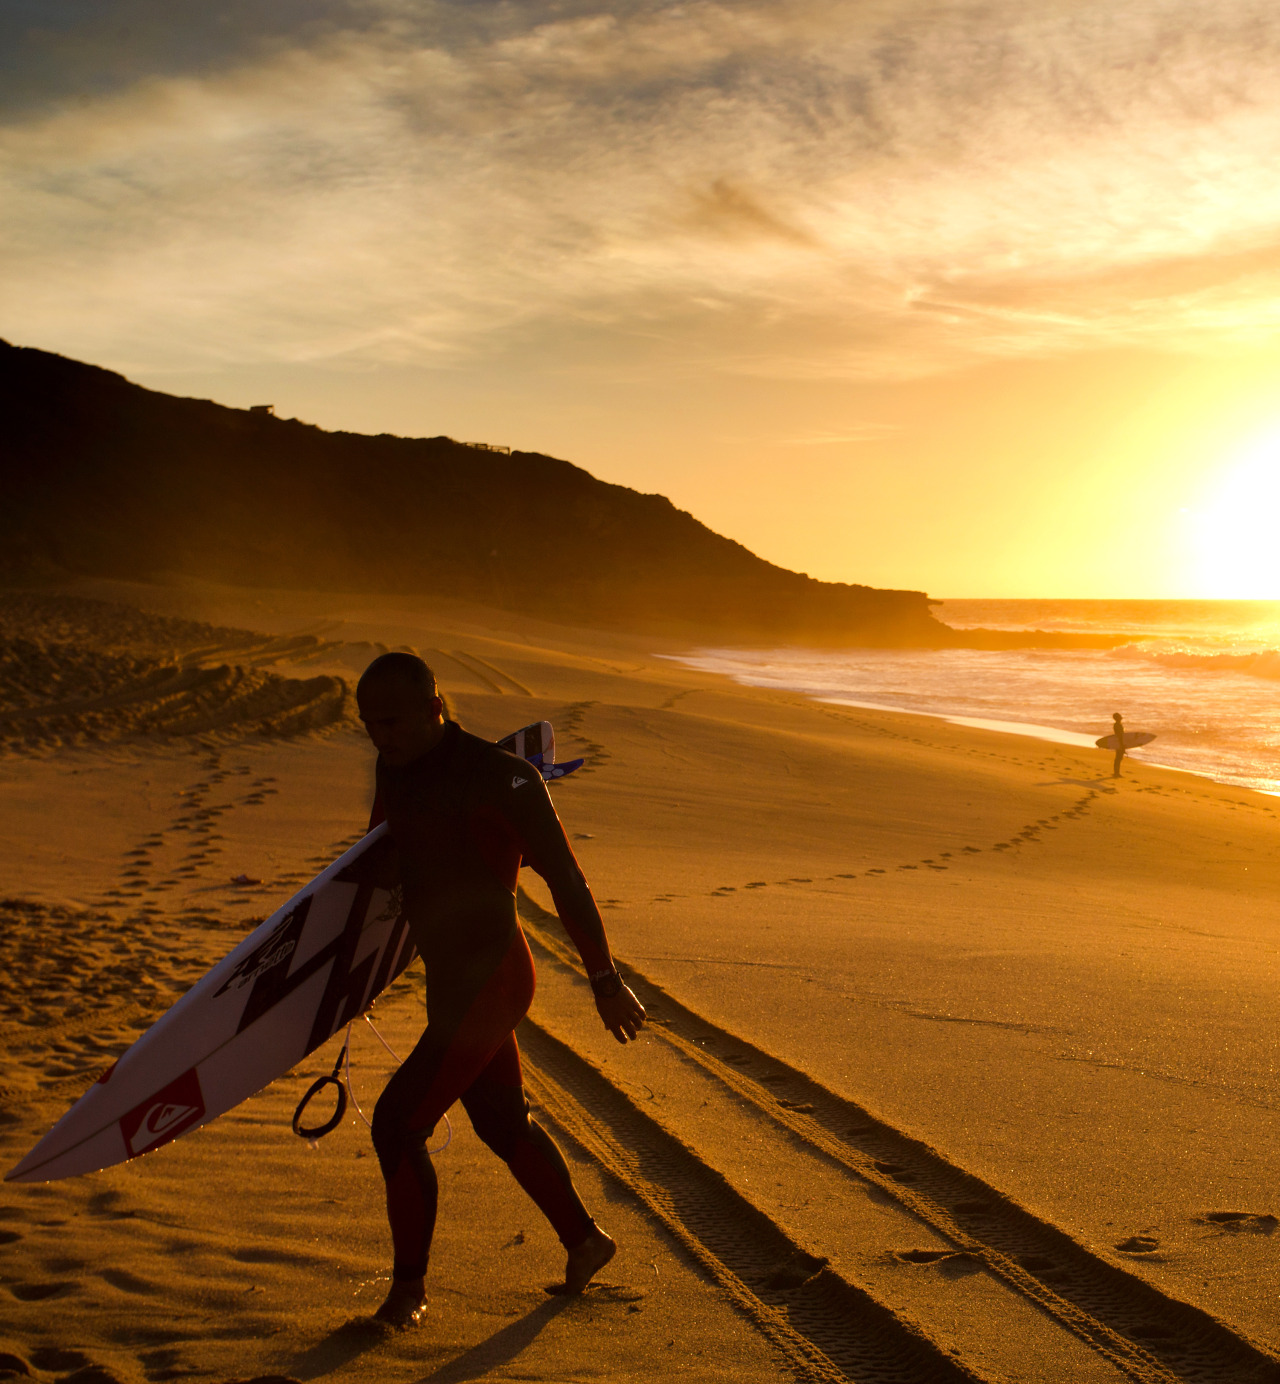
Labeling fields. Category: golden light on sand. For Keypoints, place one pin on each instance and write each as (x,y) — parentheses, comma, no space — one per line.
(1234,529)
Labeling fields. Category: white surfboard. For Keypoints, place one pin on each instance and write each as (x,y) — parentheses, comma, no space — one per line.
(1132,739)
(314,965)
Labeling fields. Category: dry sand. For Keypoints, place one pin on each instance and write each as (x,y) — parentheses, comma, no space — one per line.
(964,1064)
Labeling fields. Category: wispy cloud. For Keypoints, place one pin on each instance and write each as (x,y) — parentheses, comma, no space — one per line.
(790,187)
(864,432)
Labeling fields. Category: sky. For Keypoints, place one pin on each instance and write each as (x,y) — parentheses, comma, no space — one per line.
(979,299)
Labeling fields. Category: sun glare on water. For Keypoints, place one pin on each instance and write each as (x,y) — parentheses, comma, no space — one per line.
(1235,531)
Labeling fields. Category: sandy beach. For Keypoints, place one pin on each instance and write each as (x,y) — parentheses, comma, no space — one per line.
(963,1062)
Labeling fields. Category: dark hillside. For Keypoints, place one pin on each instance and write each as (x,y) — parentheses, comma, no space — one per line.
(104,478)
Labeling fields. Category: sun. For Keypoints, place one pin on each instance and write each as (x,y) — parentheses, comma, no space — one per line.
(1235,530)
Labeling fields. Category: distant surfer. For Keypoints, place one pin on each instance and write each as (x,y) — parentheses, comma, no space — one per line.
(1118,727)
(463,815)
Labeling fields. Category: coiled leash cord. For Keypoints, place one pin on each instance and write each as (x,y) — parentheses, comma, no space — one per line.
(341,1081)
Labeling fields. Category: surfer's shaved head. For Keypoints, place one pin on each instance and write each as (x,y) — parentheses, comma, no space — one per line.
(406,668)
(400,707)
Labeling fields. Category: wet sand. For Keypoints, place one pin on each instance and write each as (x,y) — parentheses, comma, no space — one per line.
(915,968)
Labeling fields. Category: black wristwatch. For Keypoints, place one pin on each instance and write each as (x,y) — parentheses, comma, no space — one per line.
(606,984)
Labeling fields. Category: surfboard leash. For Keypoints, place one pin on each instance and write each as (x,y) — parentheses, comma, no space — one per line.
(313,1133)
(340,1078)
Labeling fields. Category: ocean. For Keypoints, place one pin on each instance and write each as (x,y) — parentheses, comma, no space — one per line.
(1204,676)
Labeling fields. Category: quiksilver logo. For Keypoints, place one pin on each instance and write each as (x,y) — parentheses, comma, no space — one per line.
(164,1115)
(157,1122)
(518,782)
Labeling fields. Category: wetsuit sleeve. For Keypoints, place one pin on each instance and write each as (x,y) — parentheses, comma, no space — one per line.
(528,810)
(377,813)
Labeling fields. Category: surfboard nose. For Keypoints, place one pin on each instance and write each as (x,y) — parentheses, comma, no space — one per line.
(60,1154)
(21,1172)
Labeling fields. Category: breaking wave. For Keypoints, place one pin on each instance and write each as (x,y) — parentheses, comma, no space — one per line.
(1263,663)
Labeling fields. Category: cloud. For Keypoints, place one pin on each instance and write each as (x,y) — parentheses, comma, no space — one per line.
(860,432)
(790,187)
(734,214)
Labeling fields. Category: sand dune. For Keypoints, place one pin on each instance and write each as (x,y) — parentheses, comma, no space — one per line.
(962,1063)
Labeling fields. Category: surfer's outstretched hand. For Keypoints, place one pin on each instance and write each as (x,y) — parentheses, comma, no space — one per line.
(622,1013)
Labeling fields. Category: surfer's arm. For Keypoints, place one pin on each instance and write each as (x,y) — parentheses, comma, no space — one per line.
(546,848)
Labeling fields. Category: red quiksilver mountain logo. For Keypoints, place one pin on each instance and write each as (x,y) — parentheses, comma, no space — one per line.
(163,1116)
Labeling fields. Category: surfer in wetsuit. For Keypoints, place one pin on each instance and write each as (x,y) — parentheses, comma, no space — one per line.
(1119,733)
(463,814)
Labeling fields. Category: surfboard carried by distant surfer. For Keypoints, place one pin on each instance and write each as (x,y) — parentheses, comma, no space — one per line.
(307,971)
(1132,739)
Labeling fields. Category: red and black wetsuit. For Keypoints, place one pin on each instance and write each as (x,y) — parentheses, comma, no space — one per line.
(462,817)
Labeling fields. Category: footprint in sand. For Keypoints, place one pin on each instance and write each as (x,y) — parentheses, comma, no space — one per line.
(92,1374)
(1138,1244)
(952,1262)
(57,1360)
(107,1203)
(795,1271)
(38,1292)
(1246,1221)
(127,1282)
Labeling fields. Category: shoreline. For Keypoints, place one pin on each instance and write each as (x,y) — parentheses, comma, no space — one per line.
(1033,730)
(1052,735)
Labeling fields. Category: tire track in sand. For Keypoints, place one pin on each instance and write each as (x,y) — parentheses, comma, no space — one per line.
(828,1329)
(434,657)
(474,658)
(1145,1333)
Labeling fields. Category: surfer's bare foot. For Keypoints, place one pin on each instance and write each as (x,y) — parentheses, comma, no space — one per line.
(586,1260)
(405,1304)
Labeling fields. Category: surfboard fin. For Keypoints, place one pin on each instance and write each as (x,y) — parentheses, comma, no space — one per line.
(557,771)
